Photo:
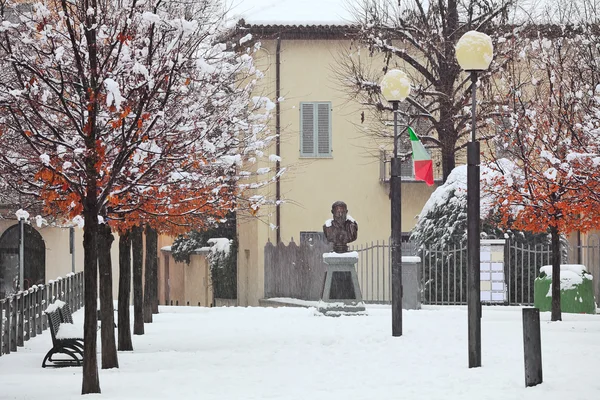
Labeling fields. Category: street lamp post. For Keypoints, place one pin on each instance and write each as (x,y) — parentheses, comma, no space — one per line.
(474,52)
(395,87)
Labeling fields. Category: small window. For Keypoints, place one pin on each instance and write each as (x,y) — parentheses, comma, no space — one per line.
(406,168)
(315,129)
(406,163)
(312,237)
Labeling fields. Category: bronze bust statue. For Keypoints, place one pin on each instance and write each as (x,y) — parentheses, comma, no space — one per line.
(340,230)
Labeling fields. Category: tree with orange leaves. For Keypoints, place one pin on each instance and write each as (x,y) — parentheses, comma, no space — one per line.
(131,111)
(540,182)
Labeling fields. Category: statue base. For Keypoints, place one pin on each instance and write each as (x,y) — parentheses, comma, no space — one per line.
(341,293)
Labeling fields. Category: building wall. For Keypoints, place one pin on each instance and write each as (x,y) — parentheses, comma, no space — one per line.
(188,284)
(310,185)
(59,260)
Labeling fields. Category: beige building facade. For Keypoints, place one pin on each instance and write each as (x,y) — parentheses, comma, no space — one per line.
(340,163)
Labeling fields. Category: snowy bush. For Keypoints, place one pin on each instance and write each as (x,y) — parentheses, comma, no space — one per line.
(222,256)
(443,220)
(223,267)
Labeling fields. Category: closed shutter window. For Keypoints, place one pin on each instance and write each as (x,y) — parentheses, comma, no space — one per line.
(406,168)
(315,129)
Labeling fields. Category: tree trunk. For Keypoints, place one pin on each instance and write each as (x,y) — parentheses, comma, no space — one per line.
(107,308)
(91,382)
(150,285)
(138,291)
(155,280)
(124,327)
(447,134)
(556,313)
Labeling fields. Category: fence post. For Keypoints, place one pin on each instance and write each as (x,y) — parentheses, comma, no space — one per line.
(81,289)
(7,334)
(19,317)
(31,313)
(39,298)
(72,290)
(26,315)
(68,291)
(50,298)
(47,293)
(2,326)
(33,305)
(75,292)
(532,346)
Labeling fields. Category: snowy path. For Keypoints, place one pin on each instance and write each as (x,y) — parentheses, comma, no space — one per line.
(289,353)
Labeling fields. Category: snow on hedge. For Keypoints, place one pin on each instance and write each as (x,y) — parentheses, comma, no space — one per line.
(571,275)
(444,215)
(219,246)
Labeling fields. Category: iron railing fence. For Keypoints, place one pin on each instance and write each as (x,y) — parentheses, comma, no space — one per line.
(22,315)
(443,271)
(374,269)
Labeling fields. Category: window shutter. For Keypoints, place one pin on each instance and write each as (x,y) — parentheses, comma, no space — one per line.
(308,129)
(406,168)
(323,128)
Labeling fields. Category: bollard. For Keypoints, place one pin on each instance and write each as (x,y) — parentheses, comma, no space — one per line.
(532,346)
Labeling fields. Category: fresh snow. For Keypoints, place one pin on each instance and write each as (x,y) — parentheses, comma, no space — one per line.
(55,306)
(570,275)
(79,221)
(348,254)
(290,353)
(293,12)
(411,259)
(330,221)
(220,245)
(342,12)
(113,93)
(70,331)
(22,214)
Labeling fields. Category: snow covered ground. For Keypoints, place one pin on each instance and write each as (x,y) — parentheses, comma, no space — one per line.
(289,353)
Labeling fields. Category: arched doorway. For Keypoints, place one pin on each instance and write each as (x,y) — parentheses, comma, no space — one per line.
(34,259)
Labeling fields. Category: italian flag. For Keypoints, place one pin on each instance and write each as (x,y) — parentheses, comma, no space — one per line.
(423,165)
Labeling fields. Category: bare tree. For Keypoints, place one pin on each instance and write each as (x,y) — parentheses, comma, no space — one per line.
(419,37)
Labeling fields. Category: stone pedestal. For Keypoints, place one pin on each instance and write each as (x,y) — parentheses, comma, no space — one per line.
(341,293)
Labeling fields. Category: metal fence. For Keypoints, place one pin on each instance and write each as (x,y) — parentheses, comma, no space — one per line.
(444,275)
(444,271)
(298,271)
(22,315)
(523,263)
(374,266)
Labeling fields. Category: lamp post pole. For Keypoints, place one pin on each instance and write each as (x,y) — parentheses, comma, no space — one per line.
(396,225)
(474,53)
(21,253)
(473,239)
(395,87)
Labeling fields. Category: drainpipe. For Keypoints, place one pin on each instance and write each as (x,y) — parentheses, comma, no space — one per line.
(277,138)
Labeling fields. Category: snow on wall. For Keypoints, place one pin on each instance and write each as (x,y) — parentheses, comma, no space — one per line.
(293,12)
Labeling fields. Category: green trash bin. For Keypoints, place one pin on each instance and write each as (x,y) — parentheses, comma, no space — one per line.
(576,289)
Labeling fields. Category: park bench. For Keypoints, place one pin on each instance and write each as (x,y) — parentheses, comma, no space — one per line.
(66,339)
(66,317)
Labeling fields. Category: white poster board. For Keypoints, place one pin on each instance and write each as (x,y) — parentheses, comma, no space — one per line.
(493,282)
